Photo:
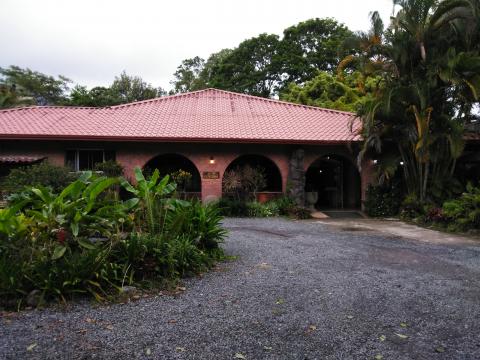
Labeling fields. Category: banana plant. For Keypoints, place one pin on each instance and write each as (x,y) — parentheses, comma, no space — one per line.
(11,223)
(153,197)
(76,211)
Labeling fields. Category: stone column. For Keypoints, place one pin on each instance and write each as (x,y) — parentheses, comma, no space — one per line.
(296,177)
(367,175)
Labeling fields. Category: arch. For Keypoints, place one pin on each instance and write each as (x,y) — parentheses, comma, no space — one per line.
(273,176)
(168,164)
(337,182)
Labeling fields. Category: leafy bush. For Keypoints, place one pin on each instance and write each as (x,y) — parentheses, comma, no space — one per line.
(110,168)
(153,256)
(182,178)
(268,209)
(285,205)
(81,241)
(244,182)
(435,215)
(43,174)
(383,200)
(77,213)
(232,208)
(200,222)
(412,208)
(464,213)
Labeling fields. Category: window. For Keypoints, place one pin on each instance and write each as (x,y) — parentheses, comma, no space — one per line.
(86,159)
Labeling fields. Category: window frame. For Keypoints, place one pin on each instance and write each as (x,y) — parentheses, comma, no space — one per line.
(76,164)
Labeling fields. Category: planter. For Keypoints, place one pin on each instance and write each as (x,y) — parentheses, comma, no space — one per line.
(311,199)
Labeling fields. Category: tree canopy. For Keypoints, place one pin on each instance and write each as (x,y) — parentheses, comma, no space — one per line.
(124,89)
(326,90)
(429,66)
(264,65)
(26,84)
(22,87)
(311,46)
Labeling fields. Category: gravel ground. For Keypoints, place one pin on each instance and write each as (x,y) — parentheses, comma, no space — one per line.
(298,290)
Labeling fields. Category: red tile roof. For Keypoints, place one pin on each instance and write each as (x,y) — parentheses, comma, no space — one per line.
(207,115)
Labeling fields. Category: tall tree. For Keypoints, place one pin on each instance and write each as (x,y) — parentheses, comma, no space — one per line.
(326,90)
(188,75)
(311,46)
(124,89)
(428,76)
(98,96)
(43,89)
(196,74)
(266,64)
(253,67)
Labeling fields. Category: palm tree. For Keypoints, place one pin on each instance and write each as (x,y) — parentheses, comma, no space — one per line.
(430,77)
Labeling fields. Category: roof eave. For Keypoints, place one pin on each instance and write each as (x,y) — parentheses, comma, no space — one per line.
(177,139)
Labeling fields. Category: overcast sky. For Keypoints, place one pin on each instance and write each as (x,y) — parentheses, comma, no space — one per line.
(92,41)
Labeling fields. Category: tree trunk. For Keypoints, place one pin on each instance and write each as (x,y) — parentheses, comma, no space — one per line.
(423,52)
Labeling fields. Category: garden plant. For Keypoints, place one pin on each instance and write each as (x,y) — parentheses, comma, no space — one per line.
(85,241)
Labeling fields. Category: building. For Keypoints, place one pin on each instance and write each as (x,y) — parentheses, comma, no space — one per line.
(206,132)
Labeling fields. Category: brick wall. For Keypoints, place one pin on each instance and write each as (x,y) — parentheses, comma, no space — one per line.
(131,155)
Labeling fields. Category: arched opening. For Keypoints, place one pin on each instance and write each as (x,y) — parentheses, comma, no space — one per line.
(181,169)
(254,176)
(333,182)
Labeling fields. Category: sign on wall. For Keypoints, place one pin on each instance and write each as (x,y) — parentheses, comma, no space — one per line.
(211,175)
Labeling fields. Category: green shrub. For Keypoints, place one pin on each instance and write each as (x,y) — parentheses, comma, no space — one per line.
(435,215)
(383,200)
(110,168)
(464,213)
(199,222)
(232,208)
(153,256)
(285,205)
(81,241)
(244,182)
(412,208)
(43,174)
(268,209)
(152,196)
(75,214)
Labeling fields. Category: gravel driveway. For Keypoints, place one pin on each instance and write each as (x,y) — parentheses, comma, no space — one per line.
(298,290)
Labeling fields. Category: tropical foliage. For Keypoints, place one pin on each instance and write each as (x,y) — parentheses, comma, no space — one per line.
(266,64)
(22,87)
(326,90)
(32,87)
(44,173)
(84,240)
(463,213)
(244,182)
(124,89)
(429,64)
(283,206)
(383,200)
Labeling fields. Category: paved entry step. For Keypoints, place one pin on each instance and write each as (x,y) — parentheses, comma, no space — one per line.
(337,214)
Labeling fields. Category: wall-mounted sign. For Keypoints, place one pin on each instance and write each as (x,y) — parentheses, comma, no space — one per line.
(211,175)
